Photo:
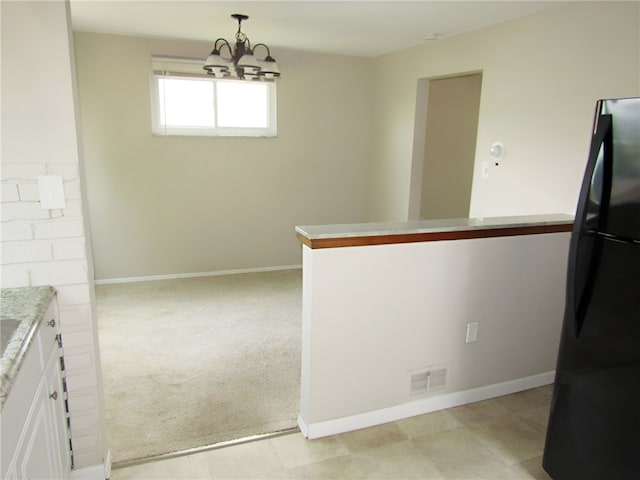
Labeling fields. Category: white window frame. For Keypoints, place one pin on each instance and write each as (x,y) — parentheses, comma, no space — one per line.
(190,69)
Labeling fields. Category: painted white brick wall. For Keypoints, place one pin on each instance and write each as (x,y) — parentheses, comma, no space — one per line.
(14,276)
(63,228)
(12,231)
(23,211)
(9,192)
(74,294)
(28,192)
(49,247)
(26,251)
(68,248)
(21,171)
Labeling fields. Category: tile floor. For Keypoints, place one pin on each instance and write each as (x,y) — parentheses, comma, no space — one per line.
(496,439)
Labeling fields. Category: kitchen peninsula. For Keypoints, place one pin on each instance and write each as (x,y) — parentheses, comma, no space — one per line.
(405,318)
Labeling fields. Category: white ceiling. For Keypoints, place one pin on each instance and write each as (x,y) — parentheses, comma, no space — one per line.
(361,27)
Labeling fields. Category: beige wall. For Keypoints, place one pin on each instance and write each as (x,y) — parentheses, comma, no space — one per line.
(542,75)
(371,315)
(171,205)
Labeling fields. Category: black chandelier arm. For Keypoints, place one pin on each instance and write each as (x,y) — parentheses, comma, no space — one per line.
(262,45)
(221,42)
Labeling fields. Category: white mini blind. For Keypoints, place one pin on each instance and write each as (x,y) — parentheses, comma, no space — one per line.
(168,66)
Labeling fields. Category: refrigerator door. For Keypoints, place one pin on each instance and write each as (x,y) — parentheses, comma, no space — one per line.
(595,420)
(623,217)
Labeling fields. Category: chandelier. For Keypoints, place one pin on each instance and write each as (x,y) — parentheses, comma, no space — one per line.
(242,63)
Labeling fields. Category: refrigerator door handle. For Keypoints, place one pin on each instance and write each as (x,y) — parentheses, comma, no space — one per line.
(586,245)
(602,141)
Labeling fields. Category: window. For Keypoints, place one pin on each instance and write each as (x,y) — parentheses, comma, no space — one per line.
(187,102)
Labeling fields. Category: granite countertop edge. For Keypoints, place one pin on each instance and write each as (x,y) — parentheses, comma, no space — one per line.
(28,305)
(315,232)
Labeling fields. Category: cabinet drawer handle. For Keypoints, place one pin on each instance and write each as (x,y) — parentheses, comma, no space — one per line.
(54,396)
(52,322)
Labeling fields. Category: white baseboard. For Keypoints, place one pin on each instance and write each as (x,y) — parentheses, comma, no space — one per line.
(173,276)
(421,406)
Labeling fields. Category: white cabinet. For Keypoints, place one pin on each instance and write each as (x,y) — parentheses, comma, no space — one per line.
(42,446)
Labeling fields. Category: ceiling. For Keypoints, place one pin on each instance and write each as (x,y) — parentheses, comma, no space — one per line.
(364,28)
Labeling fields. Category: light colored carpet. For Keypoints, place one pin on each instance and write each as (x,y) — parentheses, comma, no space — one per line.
(192,362)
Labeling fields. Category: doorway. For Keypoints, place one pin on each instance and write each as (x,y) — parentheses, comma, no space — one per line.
(452,107)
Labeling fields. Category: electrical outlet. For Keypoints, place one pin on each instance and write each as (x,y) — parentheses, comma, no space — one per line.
(472,332)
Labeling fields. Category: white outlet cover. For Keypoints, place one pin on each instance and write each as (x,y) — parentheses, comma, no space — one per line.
(485,169)
(472,332)
(51,188)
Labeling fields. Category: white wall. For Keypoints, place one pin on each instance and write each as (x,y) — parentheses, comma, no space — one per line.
(50,247)
(168,205)
(373,314)
(542,75)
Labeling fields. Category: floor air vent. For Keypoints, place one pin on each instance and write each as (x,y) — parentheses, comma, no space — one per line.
(428,380)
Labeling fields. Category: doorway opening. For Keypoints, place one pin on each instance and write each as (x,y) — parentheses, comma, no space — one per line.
(446,127)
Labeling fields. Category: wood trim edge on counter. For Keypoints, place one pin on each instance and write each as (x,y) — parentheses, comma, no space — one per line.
(389,239)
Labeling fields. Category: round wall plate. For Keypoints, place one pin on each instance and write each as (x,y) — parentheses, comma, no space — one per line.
(497,150)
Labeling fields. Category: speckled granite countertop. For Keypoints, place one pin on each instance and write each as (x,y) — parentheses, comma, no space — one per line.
(429,226)
(21,311)
(367,234)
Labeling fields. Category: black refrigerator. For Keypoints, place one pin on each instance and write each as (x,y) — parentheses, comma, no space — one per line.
(594,422)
